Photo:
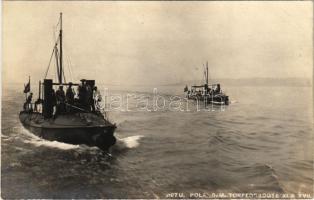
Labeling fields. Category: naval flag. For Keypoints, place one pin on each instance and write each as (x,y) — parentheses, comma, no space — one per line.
(27,87)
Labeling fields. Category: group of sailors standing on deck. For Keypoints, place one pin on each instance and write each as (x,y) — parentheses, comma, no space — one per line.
(67,102)
(201,92)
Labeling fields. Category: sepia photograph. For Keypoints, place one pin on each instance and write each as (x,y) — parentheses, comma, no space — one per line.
(157,100)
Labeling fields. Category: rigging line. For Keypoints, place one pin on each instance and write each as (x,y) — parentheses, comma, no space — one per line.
(76,107)
(54,34)
(51,58)
(58,66)
(56,74)
(57,61)
(63,75)
(69,65)
(66,66)
(54,70)
(71,70)
(49,62)
(67,58)
(58,22)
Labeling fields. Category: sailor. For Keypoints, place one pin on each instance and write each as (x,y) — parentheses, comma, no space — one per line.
(82,93)
(53,102)
(37,102)
(217,90)
(28,103)
(69,95)
(29,98)
(60,96)
(209,91)
(89,97)
(188,94)
(186,88)
(96,97)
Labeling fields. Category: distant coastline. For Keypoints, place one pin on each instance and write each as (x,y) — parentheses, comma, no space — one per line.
(289,82)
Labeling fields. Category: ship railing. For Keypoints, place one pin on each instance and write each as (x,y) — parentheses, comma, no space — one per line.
(73,84)
(75,107)
(34,107)
(83,110)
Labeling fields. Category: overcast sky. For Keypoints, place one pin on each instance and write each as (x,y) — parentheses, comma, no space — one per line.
(160,42)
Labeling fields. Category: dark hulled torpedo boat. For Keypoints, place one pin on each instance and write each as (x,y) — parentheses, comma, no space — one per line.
(64,116)
(211,94)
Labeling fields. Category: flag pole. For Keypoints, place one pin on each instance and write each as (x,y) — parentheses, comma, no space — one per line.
(25,95)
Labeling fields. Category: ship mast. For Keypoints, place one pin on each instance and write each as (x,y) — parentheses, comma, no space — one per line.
(207,72)
(60,57)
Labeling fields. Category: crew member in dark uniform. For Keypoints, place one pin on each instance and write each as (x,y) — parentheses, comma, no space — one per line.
(82,94)
(217,91)
(60,95)
(89,97)
(69,97)
(209,91)
(28,103)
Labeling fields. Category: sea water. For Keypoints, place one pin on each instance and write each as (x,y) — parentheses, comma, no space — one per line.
(261,144)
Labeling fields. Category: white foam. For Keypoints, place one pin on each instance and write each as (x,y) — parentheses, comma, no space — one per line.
(33,139)
(122,143)
(54,144)
(132,141)
(128,142)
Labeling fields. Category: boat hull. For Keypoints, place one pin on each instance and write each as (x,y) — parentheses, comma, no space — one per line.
(216,100)
(101,136)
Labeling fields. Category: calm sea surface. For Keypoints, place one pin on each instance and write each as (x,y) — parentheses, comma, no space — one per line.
(261,143)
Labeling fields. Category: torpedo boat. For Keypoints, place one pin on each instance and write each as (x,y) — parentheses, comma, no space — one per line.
(68,118)
(210,93)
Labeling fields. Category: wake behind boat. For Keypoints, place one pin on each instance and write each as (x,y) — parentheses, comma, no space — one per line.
(64,116)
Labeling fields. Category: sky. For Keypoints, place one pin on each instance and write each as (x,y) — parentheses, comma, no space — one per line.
(159,42)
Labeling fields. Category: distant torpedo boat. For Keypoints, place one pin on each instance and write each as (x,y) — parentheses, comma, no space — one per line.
(64,116)
(211,94)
